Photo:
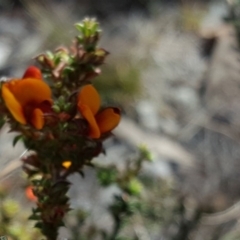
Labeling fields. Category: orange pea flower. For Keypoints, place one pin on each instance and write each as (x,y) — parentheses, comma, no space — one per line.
(100,122)
(28,98)
(29,194)
(67,164)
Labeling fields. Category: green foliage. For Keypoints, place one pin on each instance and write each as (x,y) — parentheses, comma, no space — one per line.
(120,81)
(134,187)
(142,201)
(13,219)
(62,137)
(107,176)
(234,17)
(145,153)
(191,16)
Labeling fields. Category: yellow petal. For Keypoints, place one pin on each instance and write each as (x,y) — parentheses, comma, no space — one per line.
(67,164)
(108,119)
(86,112)
(29,90)
(89,96)
(13,105)
(37,119)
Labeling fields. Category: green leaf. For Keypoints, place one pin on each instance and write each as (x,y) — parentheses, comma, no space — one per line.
(2,121)
(38,225)
(34,217)
(16,139)
(61,224)
(36,182)
(81,173)
(36,210)
(56,108)
(79,27)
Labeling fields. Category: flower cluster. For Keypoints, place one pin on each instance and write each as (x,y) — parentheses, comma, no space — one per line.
(100,122)
(58,114)
(29,99)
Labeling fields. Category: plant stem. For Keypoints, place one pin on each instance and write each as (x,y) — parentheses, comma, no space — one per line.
(117,227)
(51,232)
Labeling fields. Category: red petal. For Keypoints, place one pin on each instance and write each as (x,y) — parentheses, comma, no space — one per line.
(29,194)
(108,119)
(94,131)
(32,72)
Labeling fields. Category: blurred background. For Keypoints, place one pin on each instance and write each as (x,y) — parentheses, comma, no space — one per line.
(174,70)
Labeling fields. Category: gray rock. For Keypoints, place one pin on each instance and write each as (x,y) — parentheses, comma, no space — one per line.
(5,50)
(148,115)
